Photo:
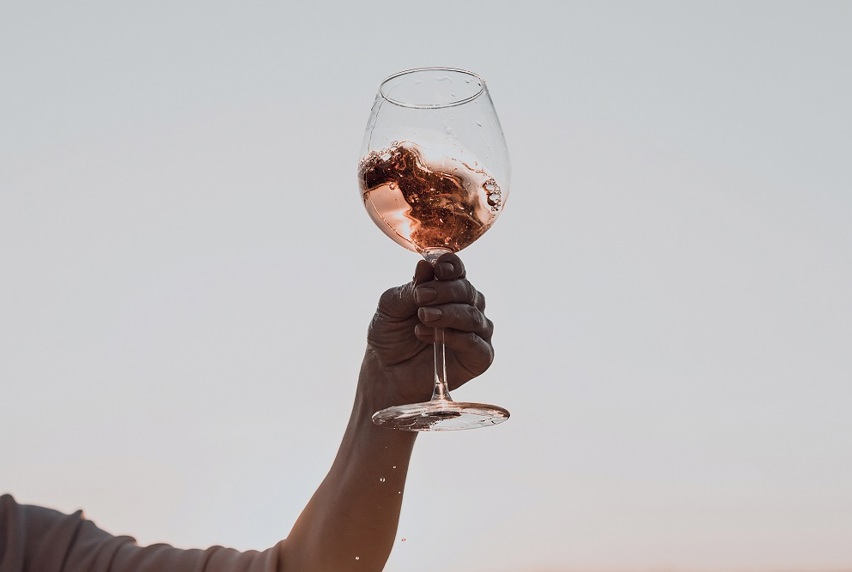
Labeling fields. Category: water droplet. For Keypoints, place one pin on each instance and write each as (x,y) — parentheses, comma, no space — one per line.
(479,124)
(394,466)
(381,479)
(403,539)
(357,558)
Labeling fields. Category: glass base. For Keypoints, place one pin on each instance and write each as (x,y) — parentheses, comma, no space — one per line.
(440,415)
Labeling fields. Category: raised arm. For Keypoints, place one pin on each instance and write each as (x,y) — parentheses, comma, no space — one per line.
(350,523)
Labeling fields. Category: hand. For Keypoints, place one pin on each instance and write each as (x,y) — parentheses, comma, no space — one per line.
(399,341)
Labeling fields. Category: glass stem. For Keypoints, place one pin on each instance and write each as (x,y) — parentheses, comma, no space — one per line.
(441,391)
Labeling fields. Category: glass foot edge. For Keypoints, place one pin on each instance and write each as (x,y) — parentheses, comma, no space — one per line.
(440,416)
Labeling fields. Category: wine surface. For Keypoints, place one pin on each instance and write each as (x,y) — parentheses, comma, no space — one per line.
(422,203)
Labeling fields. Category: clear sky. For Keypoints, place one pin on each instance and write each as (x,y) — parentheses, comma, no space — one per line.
(187,274)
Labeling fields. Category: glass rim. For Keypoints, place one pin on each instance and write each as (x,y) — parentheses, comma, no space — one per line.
(462,101)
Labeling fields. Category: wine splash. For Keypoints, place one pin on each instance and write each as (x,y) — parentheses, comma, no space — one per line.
(423,204)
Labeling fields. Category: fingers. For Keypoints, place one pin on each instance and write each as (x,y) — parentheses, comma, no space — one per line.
(442,284)
(457,317)
(424,272)
(473,352)
(438,301)
(463,329)
(438,292)
(449,267)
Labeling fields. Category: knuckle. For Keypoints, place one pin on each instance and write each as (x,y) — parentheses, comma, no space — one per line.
(459,265)
(488,328)
(478,317)
(470,293)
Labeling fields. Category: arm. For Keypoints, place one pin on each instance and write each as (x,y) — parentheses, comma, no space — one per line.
(351,521)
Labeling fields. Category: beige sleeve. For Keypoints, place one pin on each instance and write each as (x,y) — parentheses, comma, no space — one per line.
(36,539)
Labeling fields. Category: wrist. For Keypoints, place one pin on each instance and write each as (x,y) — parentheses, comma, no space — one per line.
(377,387)
(375,392)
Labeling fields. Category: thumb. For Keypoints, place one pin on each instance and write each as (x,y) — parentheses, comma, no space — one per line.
(424,272)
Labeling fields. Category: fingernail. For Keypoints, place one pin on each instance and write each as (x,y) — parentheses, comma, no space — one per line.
(430,314)
(445,269)
(423,295)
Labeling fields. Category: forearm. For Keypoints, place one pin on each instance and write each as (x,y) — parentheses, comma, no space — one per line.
(350,523)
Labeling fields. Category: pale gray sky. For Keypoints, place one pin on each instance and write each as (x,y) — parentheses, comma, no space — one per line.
(187,273)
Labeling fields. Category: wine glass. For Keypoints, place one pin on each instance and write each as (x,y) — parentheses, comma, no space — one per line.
(434,176)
